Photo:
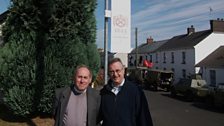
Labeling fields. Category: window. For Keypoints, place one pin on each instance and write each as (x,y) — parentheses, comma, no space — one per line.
(150,58)
(184,73)
(164,57)
(212,77)
(173,69)
(130,60)
(183,58)
(173,73)
(140,60)
(156,57)
(172,57)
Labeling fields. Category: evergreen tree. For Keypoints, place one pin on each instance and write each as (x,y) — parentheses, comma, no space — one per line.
(44,41)
(17,61)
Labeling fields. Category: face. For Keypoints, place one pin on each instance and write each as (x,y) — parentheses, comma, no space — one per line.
(116,72)
(82,78)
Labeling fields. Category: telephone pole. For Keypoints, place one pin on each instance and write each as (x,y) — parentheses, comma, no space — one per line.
(136,47)
(106,18)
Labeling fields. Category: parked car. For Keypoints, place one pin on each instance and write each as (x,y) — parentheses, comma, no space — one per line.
(191,87)
(150,78)
(136,74)
(159,78)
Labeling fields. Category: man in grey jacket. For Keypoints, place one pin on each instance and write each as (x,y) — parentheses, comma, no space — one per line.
(77,105)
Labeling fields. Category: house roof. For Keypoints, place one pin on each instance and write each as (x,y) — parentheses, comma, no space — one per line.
(149,48)
(185,41)
(215,59)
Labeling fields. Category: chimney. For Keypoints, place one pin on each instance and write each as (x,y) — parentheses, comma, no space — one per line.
(217,25)
(190,30)
(149,40)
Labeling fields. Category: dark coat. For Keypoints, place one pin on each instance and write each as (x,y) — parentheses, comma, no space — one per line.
(61,100)
(128,108)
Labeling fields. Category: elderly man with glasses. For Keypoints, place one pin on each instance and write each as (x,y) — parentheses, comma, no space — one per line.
(123,103)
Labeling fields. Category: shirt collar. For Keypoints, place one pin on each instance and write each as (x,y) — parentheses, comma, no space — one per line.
(78,92)
(120,85)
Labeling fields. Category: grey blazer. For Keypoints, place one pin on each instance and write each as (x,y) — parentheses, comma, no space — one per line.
(61,100)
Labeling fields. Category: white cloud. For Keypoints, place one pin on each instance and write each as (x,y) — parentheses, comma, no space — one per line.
(163,20)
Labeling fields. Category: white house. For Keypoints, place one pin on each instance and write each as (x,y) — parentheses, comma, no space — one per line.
(212,67)
(181,53)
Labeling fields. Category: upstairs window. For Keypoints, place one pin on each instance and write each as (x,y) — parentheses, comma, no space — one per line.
(172,57)
(140,60)
(183,58)
(150,58)
(164,57)
(156,57)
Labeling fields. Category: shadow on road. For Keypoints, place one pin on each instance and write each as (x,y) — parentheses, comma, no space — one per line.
(199,103)
(177,97)
(208,107)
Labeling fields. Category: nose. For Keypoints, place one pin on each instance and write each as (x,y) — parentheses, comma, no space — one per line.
(82,80)
(115,74)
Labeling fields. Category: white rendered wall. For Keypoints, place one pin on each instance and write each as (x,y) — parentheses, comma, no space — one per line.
(219,75)
(177,65)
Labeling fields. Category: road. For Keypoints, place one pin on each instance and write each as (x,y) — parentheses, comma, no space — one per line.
(168,111)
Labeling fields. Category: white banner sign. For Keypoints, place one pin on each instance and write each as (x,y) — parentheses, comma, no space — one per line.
(120,26)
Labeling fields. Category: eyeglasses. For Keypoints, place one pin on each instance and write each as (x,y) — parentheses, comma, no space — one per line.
(118,71)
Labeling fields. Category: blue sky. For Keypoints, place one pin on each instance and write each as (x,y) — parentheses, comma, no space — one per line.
(161,19)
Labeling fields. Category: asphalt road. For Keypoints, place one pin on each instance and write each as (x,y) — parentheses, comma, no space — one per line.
(168,111)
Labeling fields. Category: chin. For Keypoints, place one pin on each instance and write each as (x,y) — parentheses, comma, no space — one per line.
(117,82)
(81,89)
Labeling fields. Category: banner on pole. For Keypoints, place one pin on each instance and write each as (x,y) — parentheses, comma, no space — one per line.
(120,26)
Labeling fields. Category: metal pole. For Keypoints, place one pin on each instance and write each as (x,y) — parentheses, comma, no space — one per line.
(136,47)
(106,42)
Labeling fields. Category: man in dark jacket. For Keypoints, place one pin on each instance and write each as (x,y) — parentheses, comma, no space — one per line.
(123,103)
(77,105)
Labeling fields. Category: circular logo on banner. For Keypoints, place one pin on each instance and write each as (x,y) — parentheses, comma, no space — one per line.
(120,21)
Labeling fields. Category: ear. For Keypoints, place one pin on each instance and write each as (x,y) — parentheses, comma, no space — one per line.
(90,80)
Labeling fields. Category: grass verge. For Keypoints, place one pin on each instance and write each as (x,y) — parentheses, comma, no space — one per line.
(8,119)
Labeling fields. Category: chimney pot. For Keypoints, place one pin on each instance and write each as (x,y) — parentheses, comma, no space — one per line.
(190,30)
(150,40)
